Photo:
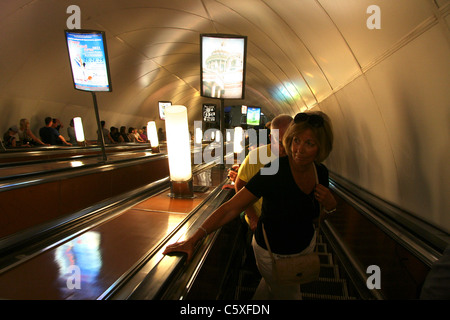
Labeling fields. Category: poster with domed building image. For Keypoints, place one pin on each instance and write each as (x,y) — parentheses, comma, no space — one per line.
(223,59)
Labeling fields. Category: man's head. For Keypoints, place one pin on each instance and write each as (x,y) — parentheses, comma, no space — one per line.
(280,124)
(48,121)
(56,124)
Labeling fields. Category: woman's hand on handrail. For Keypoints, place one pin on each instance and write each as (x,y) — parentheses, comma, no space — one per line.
(221,216)
(187,247)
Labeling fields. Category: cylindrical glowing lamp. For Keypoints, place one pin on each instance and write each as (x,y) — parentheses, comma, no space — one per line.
(152,135)
(238,137)
(198,135)
(79,132)
(179,152)
(218,135)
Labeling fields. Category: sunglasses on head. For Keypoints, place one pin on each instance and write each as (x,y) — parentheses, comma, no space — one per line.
(314,120)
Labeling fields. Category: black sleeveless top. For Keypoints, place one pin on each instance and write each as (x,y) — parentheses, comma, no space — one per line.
(287,212)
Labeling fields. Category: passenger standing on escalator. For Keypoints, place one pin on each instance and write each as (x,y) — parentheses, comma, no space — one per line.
(25,134)
(9,138)
(123,134)
(249,168)
(50,135)
(291,201)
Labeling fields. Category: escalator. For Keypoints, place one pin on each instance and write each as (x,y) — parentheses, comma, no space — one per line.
(224,267)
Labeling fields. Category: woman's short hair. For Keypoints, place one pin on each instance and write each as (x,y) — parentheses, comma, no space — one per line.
(320,125)
(23,123)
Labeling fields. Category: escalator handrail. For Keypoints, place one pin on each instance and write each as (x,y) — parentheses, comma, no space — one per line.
(51,175)
(352,266)
(381,215)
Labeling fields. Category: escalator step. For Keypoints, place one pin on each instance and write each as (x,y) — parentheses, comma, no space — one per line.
(329,271)
(327,286)
(326,259)
(322,247)
(245,293)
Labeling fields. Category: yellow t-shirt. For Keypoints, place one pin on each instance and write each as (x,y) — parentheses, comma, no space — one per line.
(251,166)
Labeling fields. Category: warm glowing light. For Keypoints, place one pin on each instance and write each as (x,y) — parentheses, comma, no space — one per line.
(218,135)
(75,164)
(238,137)
(178,143)
(152,135)
(289,91)
(78,126)
(198,135)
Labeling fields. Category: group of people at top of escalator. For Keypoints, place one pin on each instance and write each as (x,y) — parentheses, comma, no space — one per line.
(50,134)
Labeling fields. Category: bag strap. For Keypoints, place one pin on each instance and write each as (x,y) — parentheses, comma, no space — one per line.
(267,243)
(318,228)
(320,205)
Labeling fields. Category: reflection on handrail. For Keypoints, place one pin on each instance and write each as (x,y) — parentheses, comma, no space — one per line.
(78,256)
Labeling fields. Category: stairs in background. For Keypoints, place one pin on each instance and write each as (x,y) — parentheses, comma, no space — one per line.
(331,285)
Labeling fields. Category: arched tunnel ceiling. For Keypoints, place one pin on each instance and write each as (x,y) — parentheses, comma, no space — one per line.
(385,89)
(299,51)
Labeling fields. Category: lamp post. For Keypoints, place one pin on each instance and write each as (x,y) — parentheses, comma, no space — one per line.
(238,145)
(198,135)
(238,138)
(152,135)
(79,132)
(179,152)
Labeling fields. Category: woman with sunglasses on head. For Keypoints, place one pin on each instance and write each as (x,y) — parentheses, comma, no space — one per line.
(291,201)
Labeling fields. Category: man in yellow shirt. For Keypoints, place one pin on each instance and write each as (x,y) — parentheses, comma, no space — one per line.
(258,158)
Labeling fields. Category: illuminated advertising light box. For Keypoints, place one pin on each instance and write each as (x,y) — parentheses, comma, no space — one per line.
(162,105)
(209,112)
(253,116)
(88,60)
(223,64)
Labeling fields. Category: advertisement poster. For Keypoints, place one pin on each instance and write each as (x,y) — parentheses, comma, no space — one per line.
(88,60)
(162,105)
(209,113)
(223,66)
(253,116)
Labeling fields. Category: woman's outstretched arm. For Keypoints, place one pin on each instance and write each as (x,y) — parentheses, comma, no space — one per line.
(221,216)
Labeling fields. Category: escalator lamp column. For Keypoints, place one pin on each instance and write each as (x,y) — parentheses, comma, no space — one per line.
(152,135)
(78,126)
(179,152)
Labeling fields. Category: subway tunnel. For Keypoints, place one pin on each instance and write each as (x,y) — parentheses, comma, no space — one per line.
(380,69)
